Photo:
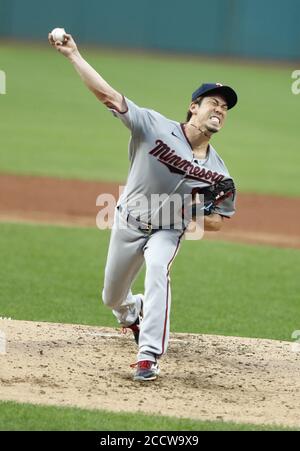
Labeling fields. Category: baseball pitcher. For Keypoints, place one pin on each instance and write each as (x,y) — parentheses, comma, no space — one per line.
(172,160)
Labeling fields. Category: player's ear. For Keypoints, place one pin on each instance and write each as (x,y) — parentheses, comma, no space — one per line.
(190,112)
(193,107)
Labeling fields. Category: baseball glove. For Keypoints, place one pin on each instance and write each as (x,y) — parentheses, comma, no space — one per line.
(214,195)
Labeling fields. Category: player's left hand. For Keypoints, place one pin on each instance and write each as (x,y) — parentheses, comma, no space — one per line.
(214,195)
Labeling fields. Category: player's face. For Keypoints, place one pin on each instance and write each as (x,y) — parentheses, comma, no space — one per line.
(211,114)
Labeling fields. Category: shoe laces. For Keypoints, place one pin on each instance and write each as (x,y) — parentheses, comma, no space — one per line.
(134,328)
(142,364)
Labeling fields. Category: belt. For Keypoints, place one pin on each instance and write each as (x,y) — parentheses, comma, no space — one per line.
(143,226)
(140,225)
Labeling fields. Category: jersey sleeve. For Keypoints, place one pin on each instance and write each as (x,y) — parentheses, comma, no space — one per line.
(134,117)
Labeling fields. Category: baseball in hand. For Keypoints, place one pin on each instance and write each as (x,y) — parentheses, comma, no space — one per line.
(58,35)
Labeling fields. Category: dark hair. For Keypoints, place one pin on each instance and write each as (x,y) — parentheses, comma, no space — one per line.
(189,113)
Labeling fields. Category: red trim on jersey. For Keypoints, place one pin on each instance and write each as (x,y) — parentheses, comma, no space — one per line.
(117,109)
(167,300)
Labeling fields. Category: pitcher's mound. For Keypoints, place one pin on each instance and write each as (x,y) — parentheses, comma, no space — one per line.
(202,377)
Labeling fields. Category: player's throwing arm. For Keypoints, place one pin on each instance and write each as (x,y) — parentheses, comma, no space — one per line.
(95,83)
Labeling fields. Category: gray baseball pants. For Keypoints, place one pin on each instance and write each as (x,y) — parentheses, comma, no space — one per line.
(129,249)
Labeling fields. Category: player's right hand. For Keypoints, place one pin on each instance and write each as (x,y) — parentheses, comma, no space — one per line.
(68,48)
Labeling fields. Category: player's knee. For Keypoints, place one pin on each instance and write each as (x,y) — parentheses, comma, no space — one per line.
(109,299)
(105,298)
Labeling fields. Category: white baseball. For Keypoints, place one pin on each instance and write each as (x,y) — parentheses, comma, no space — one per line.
(58,34)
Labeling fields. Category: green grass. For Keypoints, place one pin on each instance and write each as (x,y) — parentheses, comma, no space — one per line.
(54,126)
(56,274)
(26,417)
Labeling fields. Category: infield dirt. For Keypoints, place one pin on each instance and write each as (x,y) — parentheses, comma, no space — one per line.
(202,377)
(260,219)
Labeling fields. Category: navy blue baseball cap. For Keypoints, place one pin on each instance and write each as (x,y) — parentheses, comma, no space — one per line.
(217,88)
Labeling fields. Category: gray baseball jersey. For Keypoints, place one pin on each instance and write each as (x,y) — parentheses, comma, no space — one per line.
(162,161)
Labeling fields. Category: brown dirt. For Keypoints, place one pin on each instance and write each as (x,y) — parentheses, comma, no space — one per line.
(202,377)
(260,219)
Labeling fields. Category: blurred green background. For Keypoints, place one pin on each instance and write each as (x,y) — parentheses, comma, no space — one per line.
(53,126)
(56,274)
(246,28)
